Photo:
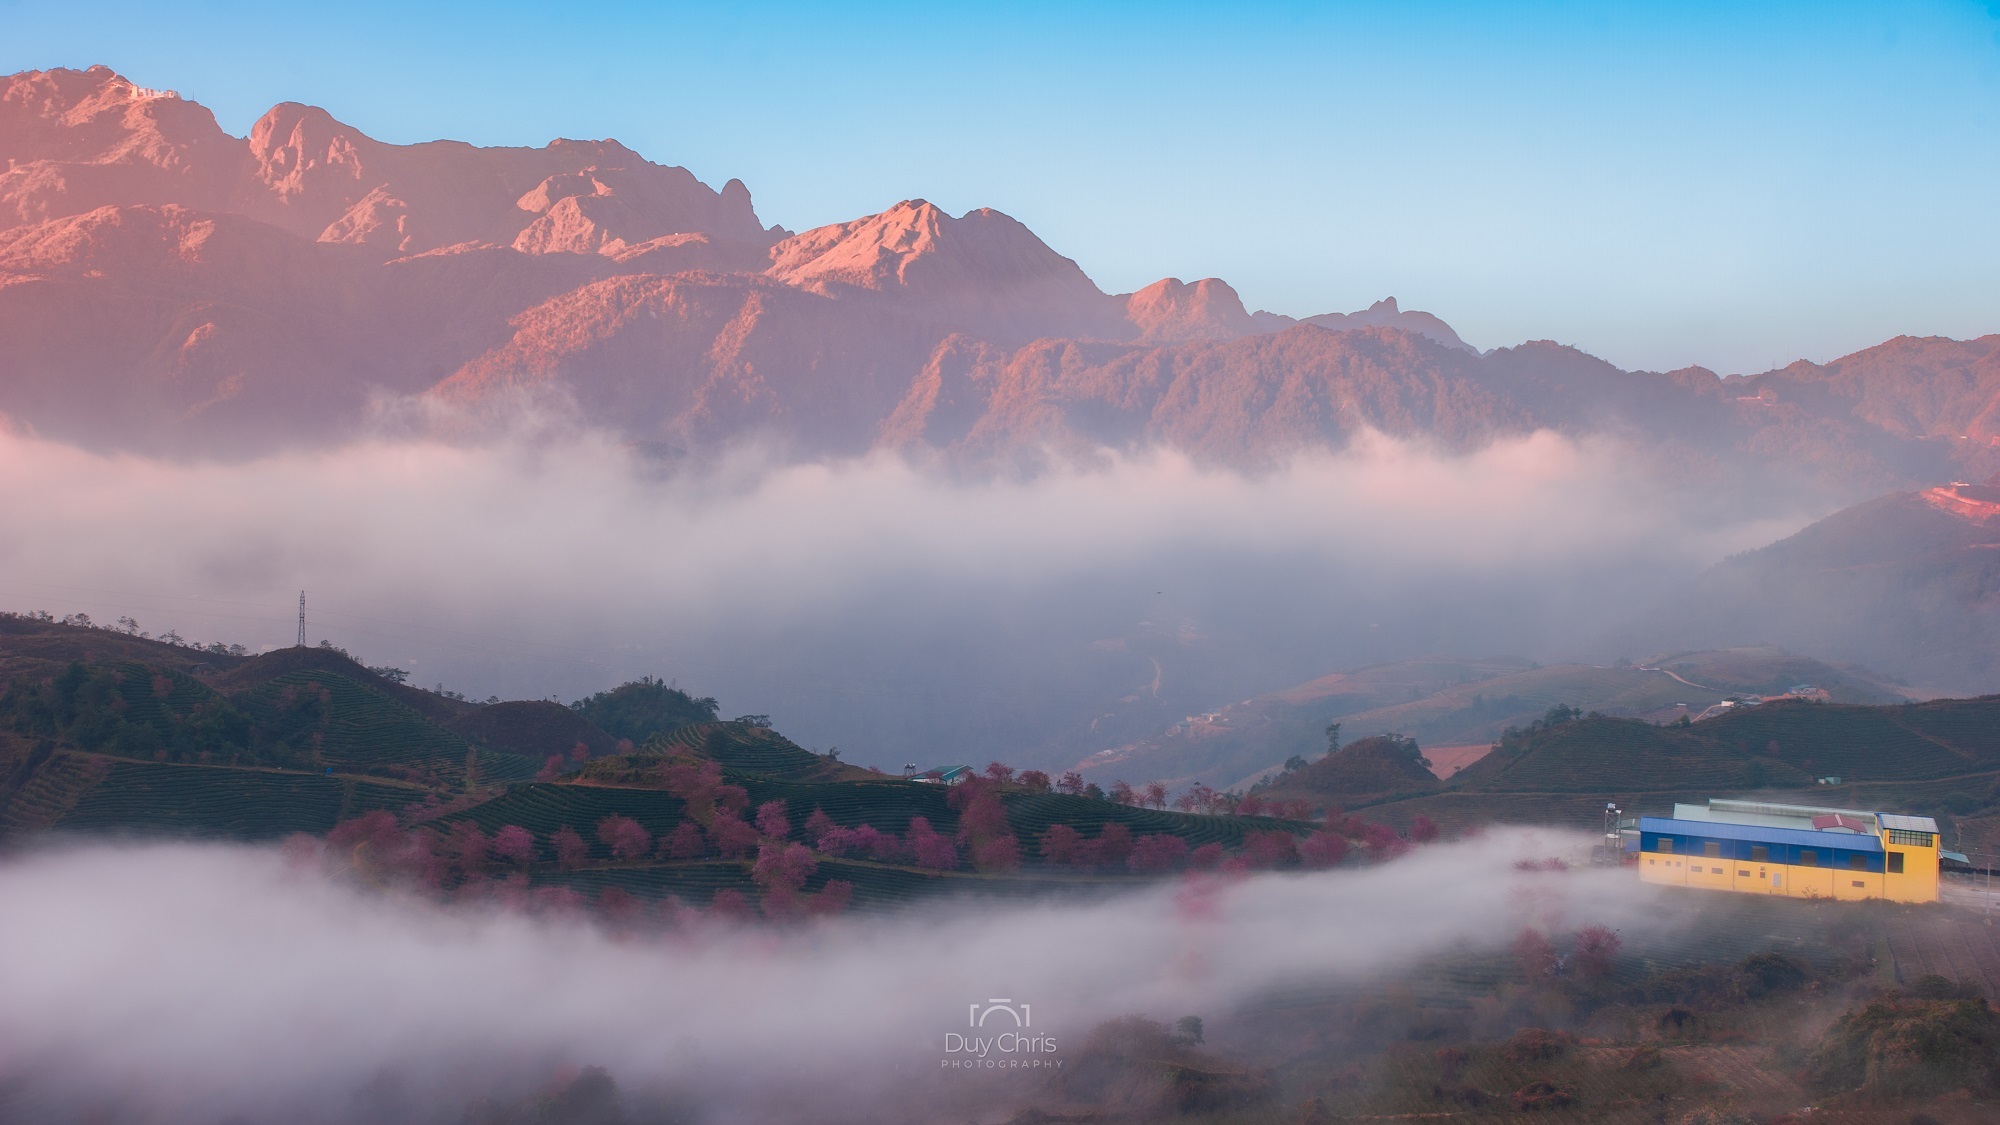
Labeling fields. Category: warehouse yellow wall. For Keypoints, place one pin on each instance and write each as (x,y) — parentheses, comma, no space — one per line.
(1918,881)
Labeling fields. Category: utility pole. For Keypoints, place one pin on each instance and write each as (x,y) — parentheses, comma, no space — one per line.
(302,619)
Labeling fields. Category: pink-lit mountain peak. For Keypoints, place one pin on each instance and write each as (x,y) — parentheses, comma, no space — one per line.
(98,115)
(983,271)
(79,140)
(917,243)
(1170,309)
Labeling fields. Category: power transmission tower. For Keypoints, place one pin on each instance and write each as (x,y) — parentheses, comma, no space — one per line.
(302,619)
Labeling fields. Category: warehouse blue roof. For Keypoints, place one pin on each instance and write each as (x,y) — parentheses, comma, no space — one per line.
(1757,833)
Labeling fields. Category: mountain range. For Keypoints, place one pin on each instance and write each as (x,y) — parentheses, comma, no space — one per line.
(166,287)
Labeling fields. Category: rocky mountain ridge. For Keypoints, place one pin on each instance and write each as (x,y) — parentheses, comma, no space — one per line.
(168,288)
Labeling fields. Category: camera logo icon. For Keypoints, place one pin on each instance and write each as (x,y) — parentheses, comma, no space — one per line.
(979,1012)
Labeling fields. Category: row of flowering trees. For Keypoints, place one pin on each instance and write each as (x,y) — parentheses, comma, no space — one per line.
(1198,798)
(719,823)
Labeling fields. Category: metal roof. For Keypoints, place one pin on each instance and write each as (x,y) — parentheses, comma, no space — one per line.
(1723,830)
(1773,808)
(1907,823)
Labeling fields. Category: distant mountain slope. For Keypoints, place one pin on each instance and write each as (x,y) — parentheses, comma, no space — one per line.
(1445,702)
(1385,314)
(1912,580)
(168,288)
(1937,758)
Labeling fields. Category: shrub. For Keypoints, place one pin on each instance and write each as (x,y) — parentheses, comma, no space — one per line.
(1542,1095)
(1535,954)
(1595,951)
(1534,1044)
(1901,1047)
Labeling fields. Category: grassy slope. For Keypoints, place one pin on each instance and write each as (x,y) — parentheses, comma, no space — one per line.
(1444,703)
(1917,756)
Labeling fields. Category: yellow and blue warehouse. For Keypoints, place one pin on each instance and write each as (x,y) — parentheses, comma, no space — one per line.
(1799,851)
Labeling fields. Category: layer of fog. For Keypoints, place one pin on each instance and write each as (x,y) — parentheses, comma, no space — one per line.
(200,981)
(869,603)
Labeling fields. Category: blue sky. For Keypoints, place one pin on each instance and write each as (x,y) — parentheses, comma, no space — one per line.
(1660,185)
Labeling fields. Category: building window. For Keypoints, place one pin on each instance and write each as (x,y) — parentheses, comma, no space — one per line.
(1712,850)
(1745,874)
(1666,845)
(1759,854)
(1857,863)
(1808,858)
(1914,839)
(1895,863)
(1861,884)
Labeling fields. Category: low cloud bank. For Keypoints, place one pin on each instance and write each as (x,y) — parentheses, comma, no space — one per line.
(829,595)
(204,981)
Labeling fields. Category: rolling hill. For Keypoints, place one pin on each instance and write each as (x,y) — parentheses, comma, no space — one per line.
(106,733)
(151,741)
(1911,579)
(1938,758)
(1447,703)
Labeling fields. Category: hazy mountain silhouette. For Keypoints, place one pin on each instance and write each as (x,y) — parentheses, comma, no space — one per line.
(1909,582)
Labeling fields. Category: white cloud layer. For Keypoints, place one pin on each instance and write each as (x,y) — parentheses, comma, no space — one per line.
(566,564)
(204,981)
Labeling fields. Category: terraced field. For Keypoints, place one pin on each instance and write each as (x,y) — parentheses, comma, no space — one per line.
(743,748)
(543,808)
(1876,743)
(887,805)
(53,787)
(146,798)
(1619,755)
(1031,814)
(359,728)
(874,884)
(140,685)
(692,883)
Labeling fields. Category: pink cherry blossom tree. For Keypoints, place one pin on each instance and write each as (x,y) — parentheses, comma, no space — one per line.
(514,844)
(1060,844)
(624,837)
(684,842)
(571,851)
(1157,853)
(774,821)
